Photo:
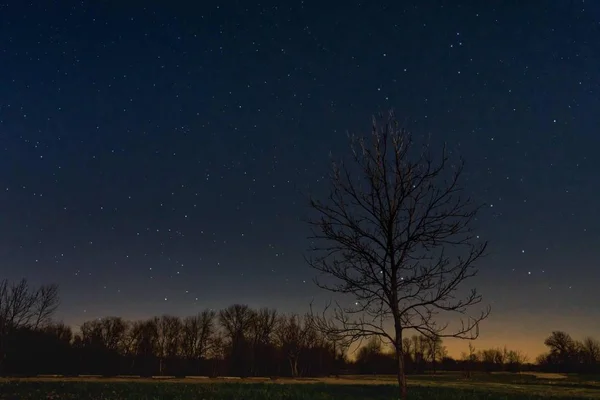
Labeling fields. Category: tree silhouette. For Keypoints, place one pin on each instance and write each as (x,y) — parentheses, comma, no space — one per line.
(590,351)
(435,351)
(563,350)
(262,331)
(493,359)
(143,339)
(169,328)
(22,307)
(470,359)
(292,335)
(515,360)
(395,235)
(197,336)
(237,320)
(372,359)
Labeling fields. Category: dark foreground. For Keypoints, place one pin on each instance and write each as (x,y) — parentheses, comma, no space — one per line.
(509,387)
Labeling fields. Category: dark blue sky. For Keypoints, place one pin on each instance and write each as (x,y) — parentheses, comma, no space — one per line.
(153,156)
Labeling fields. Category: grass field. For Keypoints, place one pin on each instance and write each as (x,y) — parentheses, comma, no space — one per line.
(442,386)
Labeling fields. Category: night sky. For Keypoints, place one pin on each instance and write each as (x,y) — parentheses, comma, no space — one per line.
(155,156)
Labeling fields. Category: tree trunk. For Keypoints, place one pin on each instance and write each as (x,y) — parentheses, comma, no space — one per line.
(294,366)
(434,359)
(132,366)
(401,374)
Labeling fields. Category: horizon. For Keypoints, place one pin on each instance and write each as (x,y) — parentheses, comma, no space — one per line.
(532,347)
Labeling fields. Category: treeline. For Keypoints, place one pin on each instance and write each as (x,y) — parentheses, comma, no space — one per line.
(569,355)
(565,355)
(423,354)
(236,341)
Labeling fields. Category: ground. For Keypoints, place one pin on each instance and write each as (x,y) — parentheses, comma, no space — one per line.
(441,386)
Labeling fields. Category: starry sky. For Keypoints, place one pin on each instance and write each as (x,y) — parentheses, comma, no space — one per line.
(155,156)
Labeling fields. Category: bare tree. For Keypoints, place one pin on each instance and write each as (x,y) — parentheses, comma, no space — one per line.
(24,307)
(436,351)
(515,360)
(395,236)
(590,349)
(105,333)
(470,358)
(406,346)
(115,329)
(370,354)
(142,339)
(168,329)
(493,359)
(197,335)
(262,331)
(564,351)
(45,303)
(292,336)
(236,321)
(63,333)
(218,353)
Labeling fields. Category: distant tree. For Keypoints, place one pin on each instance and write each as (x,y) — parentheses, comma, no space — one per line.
(102,342)
(113,331)
(407,346)
(394,234)
(436,351)
(542,361)
(564,351)
(169,329)
(236,321)
(63,333)
(53,351)
(515,360)
(487,359)
(24,307)
(292,335)
(502,356)
(372,359)
(262,331)
(419,347)
(319,356)
(218,354)
(407,353)
(198,335)
(590,354)
(493,359)
(143,342)
(470,358)
(372,347)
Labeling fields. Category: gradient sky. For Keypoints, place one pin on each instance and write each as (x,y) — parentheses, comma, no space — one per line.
(153,155)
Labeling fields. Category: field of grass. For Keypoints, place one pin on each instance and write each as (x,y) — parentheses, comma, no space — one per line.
(442,386)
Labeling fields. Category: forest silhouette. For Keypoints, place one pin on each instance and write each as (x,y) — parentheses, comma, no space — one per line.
(236,341)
